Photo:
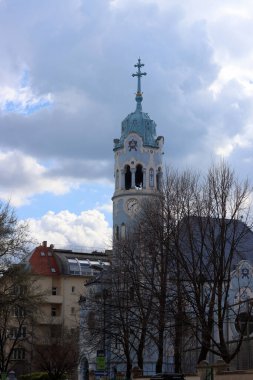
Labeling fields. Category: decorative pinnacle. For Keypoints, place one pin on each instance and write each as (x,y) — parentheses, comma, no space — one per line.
(139,74)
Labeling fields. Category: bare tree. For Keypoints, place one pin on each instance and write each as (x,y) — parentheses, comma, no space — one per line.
(138,294)
(107,324)
(193,233)
(15,241)
(209,240)
(171,273)
(19,303)
(18,292)
(58,354)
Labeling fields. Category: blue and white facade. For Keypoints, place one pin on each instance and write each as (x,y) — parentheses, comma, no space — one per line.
(138,163)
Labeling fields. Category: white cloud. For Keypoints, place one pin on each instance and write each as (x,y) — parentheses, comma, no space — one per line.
(107,207)
(88,230)
(243,140)
(228,73)
(21,98)
(22,177)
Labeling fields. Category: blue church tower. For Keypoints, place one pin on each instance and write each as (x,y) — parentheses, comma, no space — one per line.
(138,163)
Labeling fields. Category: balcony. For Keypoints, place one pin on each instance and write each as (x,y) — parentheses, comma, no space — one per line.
(45,320)
(54,299)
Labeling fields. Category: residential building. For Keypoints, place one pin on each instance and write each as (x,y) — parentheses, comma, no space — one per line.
(60,275)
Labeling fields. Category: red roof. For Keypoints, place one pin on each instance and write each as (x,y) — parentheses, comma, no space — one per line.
(43,262)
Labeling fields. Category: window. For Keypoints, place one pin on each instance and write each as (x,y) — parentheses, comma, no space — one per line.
(72,310)
(55,331)
(151,177)
(53,311)
(73,289)
(54,291)
(74,267)
(18,311)
(18,354)
(17,332)
(123,231)
(53,270)
(85,268)
(117,232)
(244,323)
(117,180)
(159,179)
(42,253)
(12,334)
(19,289)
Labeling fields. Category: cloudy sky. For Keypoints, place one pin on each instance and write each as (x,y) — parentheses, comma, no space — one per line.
(66,85)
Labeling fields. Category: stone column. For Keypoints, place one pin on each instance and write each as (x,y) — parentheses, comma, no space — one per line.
(144,185)
(122,181)
(202,368)
(133,170)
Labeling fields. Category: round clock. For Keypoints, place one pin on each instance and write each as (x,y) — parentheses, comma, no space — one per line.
(132,206)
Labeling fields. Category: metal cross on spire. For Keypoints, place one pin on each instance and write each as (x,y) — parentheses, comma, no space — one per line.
(139,74)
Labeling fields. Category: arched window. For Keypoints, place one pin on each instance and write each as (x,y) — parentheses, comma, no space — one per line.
(244,323)
(117,232)
(123,231)
(139,176)
(159,179)
(117,179)
(127,177)
(151,177)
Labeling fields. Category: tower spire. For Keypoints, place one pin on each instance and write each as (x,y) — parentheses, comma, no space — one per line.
(139,74)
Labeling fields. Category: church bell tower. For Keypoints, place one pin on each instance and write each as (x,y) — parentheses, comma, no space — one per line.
(138,163)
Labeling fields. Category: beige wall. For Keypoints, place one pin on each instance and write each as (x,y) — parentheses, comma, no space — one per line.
(68,292)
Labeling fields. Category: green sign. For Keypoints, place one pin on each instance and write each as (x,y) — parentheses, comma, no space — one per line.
(100,363)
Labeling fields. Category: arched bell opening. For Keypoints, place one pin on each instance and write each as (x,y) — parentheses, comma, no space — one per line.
(127,177)
(139,176)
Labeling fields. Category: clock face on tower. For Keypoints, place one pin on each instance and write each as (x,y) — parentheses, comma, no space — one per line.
(132,206)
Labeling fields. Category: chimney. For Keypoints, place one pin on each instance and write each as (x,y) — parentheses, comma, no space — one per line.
(44,243)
